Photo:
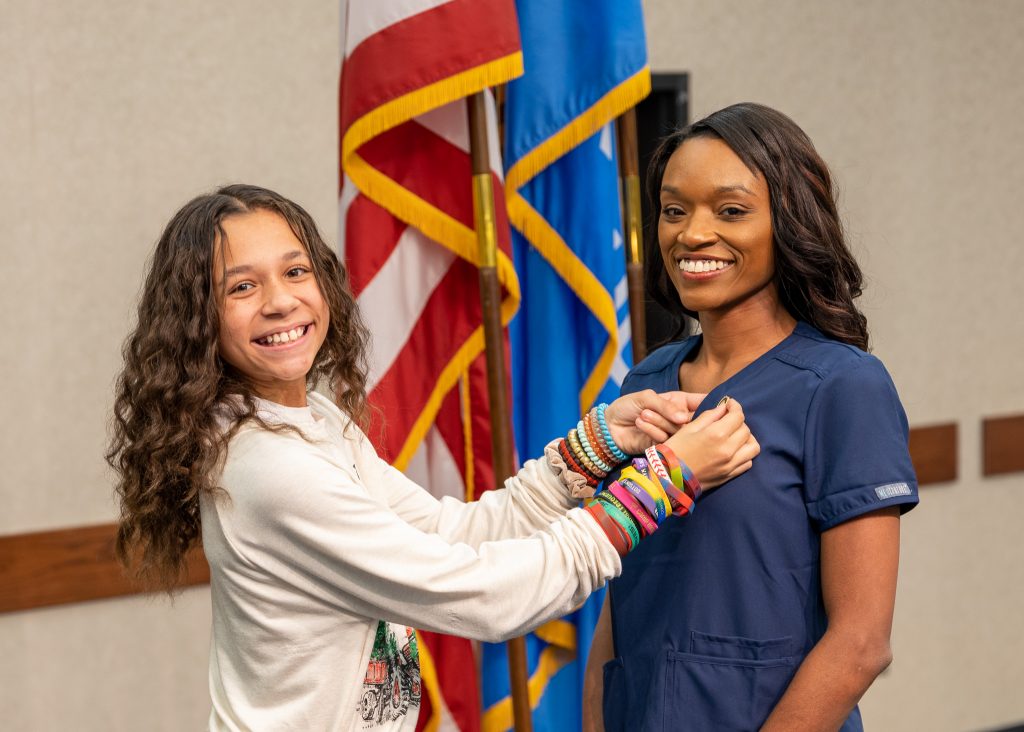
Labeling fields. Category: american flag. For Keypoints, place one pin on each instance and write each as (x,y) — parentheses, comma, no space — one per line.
(407,238)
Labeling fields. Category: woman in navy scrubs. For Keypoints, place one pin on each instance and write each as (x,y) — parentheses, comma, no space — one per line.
(771,607)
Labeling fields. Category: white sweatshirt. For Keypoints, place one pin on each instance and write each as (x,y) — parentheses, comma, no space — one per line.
(316,541)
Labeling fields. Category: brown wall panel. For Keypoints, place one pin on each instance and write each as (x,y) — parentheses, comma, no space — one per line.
(1002,440)
(69,565)
(933,451)
(77,564)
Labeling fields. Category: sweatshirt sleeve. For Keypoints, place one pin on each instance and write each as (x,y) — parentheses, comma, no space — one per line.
(529,501)
(303,519)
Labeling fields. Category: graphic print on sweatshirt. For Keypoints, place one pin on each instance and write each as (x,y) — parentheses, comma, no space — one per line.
(391,688)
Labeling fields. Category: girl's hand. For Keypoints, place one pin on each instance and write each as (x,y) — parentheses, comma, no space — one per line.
(717,446)
(644,418)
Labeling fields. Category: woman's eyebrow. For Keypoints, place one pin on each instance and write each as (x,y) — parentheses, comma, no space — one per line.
(735,188)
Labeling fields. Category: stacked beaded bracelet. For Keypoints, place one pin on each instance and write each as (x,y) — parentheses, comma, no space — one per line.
(589,449)
(647,492)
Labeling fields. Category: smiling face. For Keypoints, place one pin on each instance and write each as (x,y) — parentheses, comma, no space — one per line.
(715,228)
(273,317)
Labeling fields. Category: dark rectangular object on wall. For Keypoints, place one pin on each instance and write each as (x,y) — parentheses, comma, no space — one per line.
(657,116)
(1002,445)
(70,565)
(933,451)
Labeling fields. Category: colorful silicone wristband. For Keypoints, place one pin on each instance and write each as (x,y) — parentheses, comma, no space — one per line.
(632,474)
(645,498)
(648,483)
(621,516)
(615,533)
(671,462)
(690,480)
(646,521)
(655,463)
(682,503)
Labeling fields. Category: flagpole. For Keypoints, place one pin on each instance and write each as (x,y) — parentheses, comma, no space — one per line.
(629,173)
(490,300)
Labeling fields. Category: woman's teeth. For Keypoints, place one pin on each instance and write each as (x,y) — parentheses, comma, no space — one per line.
(696,266)
(284,337)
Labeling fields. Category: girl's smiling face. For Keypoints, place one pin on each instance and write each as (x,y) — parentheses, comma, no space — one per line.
(273,317)
(715,227)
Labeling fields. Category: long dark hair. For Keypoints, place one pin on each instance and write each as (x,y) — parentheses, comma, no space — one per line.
(174,387)
(816,276)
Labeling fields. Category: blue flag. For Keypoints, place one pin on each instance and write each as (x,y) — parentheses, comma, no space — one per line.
(585,64)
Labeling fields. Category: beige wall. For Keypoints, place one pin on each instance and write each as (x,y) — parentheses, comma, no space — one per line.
(917,105)
(115,112)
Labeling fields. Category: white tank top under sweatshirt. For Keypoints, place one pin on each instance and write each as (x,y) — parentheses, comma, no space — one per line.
(314,542)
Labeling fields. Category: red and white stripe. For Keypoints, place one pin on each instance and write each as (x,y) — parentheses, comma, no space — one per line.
(420,295)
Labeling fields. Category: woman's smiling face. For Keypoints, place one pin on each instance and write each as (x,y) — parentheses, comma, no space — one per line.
(715,228)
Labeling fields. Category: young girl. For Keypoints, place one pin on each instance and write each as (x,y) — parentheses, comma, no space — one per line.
(323,557)
(752,246)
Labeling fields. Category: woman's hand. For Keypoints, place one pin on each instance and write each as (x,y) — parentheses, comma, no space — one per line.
(717,446)
(644,418)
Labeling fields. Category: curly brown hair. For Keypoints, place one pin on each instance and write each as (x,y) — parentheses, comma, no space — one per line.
(175,391)
(816,275)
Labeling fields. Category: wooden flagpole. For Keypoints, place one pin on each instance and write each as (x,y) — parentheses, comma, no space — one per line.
(629,174)
(490,300)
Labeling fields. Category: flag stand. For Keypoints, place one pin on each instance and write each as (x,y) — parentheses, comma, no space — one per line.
(629,173)
(490,301)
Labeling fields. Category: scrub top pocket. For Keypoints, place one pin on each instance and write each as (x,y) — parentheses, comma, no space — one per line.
(725,683)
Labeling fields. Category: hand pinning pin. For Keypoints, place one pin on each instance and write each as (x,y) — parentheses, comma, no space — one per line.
(723,400)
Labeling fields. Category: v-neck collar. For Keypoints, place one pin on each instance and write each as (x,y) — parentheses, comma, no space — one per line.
(741,376)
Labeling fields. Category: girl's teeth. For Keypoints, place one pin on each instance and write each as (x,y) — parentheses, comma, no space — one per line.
(289,335)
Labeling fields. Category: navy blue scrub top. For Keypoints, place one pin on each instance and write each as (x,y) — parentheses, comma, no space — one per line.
(714,613)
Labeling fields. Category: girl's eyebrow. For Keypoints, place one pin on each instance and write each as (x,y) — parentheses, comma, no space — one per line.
(243,268)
